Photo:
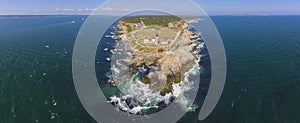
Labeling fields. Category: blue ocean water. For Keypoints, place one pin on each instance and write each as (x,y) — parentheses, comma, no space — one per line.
(262,82)
(262,85)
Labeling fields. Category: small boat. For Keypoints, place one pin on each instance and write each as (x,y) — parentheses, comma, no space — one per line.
(105,49)
(114,37)
(107,36)
(112,51)
(72,22)
(107,59)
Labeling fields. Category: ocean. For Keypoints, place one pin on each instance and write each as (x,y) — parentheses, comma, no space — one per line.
(262,85)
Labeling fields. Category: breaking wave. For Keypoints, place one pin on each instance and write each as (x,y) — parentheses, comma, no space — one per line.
(138,98)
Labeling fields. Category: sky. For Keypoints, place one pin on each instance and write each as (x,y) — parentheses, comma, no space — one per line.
(212,7)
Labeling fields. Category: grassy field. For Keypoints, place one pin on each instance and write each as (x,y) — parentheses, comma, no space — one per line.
(152,20)
(163,34)
(167,33)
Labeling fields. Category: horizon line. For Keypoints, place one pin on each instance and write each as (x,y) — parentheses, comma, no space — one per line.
(151,15)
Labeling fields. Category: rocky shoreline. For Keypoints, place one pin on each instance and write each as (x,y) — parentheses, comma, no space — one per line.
(163,66)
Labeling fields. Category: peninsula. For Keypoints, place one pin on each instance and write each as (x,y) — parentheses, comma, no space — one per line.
(161,49)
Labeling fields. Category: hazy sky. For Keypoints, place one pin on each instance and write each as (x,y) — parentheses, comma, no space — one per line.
(212,7)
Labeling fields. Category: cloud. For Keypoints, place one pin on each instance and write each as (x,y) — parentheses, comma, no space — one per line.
(68,10)
(115,9)
(74,10)
(107,9)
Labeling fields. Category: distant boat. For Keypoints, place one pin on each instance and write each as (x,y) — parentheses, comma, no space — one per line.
(72,22)
(114,37)
(112,51)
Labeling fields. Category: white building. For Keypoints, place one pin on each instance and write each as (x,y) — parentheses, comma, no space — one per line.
(164,42)
(153,40)
(146,41)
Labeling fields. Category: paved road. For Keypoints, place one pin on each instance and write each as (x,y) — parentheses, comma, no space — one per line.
(175,39)
(132,35)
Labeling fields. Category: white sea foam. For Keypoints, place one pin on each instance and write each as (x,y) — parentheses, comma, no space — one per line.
(185,86)
(115,69)
(147,98)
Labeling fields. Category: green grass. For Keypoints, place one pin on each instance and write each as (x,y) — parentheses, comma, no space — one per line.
(152,20)
(163,33)
(129,28)
(134,45)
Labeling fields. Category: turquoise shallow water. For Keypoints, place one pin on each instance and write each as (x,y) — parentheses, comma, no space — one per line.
(262,85)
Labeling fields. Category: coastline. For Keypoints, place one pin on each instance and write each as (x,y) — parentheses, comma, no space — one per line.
(183,57)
